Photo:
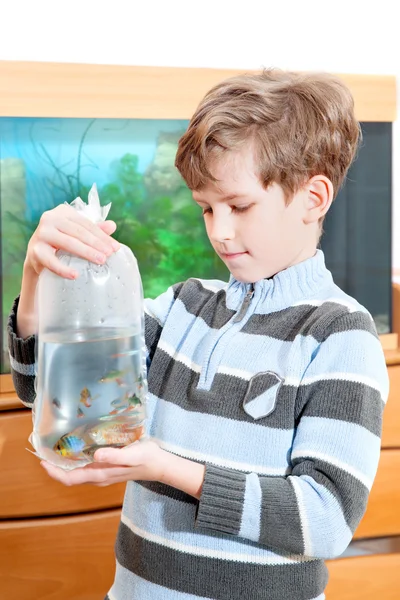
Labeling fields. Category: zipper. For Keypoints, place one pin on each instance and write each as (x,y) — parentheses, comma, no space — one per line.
(204,375)
(245,305)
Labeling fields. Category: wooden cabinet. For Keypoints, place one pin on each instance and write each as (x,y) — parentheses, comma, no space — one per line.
(58,542)
(58,558)
(364,578)
(27,490)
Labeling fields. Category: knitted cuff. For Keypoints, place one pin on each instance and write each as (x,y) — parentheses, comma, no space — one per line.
(221,502)
(22,351)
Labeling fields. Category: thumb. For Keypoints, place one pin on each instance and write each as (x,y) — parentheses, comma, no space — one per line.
(112,456)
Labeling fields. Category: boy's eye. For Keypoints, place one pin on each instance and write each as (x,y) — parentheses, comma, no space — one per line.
(207,210)
(241,209)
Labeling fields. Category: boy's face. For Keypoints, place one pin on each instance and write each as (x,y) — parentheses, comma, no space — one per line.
(251,228)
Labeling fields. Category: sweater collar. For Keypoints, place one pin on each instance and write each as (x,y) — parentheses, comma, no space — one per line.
(290,286)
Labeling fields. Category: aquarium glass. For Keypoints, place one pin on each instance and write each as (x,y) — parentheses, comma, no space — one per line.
(45,162)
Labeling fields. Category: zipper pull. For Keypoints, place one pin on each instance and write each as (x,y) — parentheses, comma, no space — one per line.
(245,305)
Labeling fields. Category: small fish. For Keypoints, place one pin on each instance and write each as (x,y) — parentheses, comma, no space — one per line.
(127,353)
(113,375)
(86,397)
(55,402)
(80,413)
(89,451)
(70,446)
(78,444)
(106,434)
(117,402)
(133,400)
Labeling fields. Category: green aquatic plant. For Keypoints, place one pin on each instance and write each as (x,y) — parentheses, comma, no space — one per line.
(154,212)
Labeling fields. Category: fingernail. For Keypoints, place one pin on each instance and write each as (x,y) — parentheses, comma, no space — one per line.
(100,258)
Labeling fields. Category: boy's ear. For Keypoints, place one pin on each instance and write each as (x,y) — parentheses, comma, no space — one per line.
(319,196)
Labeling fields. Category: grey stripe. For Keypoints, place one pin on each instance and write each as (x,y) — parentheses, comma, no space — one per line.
(215,578)
(153,331)
(280,519)
(350,493)
(221,502)
(168,491)
(206,304)
(352,402)
(319,322)
(177,383)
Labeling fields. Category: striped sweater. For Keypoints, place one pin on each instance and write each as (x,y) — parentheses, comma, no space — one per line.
(278,388)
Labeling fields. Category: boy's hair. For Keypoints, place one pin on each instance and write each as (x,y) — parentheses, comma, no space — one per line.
(300,125)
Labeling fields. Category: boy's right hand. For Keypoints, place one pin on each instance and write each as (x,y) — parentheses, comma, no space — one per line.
(64,228)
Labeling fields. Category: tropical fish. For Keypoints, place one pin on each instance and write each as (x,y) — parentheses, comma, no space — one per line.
(127,353)
(117,402)
(80,413)
(113,375)
(70,445)
(90,450)
(78,444)
(86,397)
(133,400)
(123,433)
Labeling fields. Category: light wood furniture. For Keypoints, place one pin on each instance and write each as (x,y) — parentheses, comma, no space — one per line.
(57,542)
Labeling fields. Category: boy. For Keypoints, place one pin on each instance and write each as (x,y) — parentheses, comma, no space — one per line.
(266,393)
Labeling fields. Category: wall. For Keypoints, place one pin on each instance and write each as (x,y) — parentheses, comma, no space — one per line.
(339,36)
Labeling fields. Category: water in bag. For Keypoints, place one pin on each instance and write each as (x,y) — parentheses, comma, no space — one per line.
(91,376)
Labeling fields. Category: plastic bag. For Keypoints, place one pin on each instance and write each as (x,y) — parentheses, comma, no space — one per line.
(91,380)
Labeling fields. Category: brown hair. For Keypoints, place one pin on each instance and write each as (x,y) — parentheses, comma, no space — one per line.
(300,125)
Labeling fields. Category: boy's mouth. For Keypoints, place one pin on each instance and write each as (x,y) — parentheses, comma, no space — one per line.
(232,255)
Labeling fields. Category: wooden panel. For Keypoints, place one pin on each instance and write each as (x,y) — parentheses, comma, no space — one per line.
(6,384)
(58,558)
(76,90)
(389,341)
(364,578)
(391,415)
(27,490)
(383,515)
(396,304)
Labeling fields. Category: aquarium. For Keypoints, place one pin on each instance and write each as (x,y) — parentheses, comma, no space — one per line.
(47,161)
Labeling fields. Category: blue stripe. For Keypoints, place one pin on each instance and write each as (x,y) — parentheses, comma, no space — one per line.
(251,514)
(175,521)
(160,307)
(22,369)
(353,352)
(195,340)
(129,586)
(332,437)
(202,433)
(328,536)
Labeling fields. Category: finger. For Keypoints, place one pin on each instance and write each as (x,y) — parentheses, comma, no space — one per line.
(68,220)
(89,234)
(116,456)
(45,257)
(108,227)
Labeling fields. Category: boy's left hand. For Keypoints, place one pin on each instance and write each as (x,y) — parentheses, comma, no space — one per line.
(140,461)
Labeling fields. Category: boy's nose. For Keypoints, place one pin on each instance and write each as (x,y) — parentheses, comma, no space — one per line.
(221,229)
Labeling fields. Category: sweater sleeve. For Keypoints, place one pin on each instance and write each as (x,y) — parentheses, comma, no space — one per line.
(22,360)
(315,509)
